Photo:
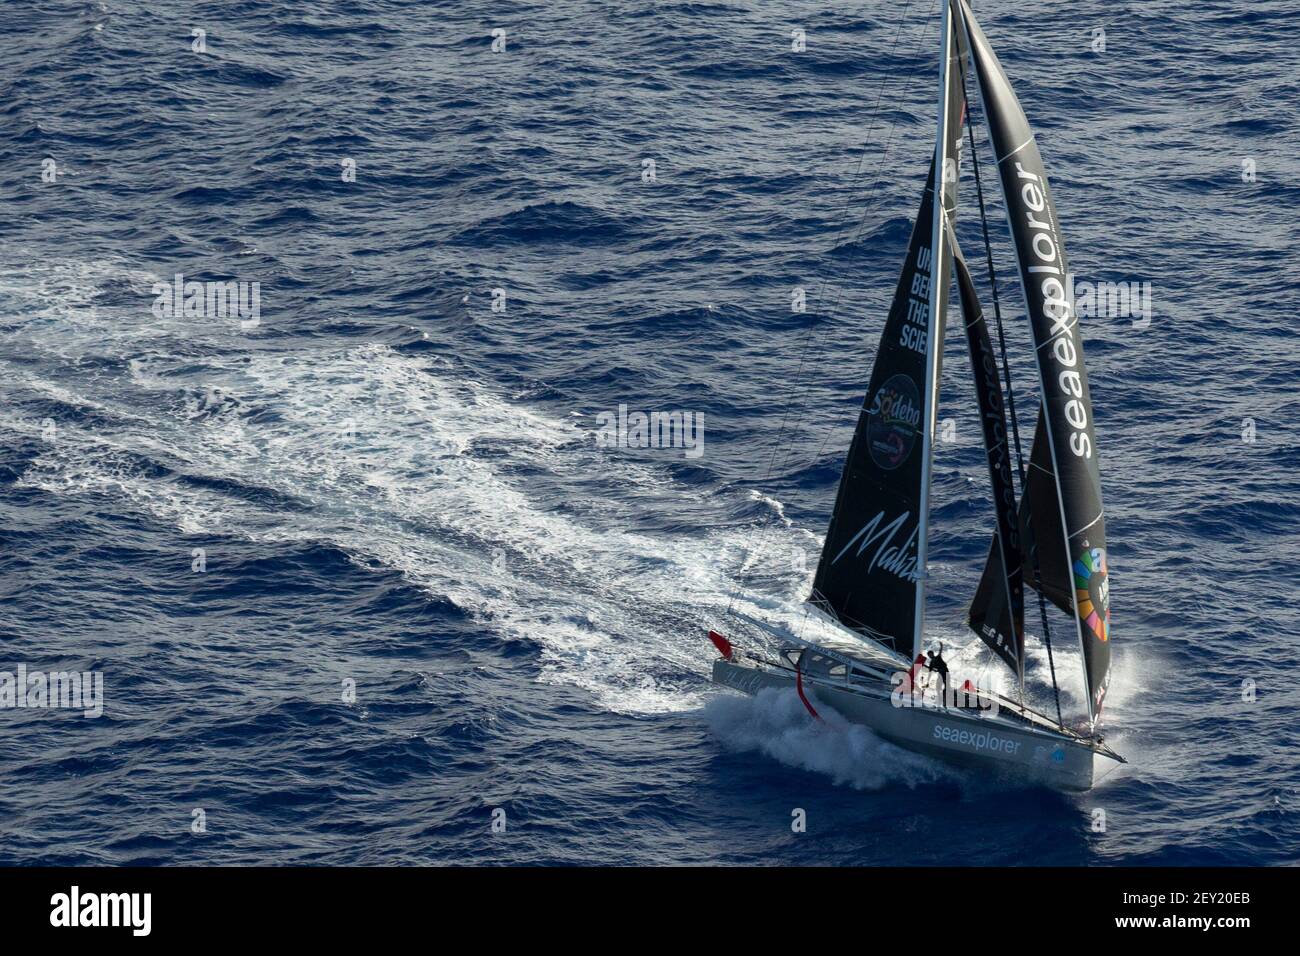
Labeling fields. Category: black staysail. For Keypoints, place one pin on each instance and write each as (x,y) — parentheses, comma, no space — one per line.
(1040,527)
(870,575)
(1067,433)
(867,574)
(1042,541)
(997,614)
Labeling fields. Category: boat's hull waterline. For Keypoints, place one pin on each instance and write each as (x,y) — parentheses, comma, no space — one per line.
(967,737)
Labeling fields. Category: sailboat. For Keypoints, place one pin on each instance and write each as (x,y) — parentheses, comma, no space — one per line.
(860,648)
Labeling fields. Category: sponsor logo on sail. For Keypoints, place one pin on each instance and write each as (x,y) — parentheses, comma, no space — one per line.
(1056,302)
(893,422)
(887,551)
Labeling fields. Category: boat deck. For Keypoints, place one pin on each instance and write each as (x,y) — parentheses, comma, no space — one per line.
(836,659)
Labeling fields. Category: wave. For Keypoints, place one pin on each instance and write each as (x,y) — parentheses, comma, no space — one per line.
(547,222)
(397,458)
(777,724)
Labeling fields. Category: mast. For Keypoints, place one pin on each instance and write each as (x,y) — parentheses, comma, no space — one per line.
(938,295)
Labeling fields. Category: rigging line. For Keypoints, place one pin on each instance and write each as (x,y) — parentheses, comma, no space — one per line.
(858,410)
(907,86)
(1118,764)
(820,295)
(848,200)
(857,234)
(1015,424)
(997,306)
(861,225)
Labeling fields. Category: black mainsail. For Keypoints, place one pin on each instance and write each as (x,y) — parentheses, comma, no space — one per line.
(871,573)
(1066,512)
(997,614)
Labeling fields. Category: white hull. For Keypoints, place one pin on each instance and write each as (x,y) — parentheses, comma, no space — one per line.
(998,745)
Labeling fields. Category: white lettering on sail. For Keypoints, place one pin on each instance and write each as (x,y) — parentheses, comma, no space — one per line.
(896,407)
(898,560)
(1058,307)
(913,333)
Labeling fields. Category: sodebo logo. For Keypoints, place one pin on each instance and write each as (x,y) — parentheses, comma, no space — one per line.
(103,909)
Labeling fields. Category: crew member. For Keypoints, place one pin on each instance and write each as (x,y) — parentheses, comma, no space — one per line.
(937,665)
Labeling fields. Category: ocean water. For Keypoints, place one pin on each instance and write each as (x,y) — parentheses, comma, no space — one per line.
(430,594)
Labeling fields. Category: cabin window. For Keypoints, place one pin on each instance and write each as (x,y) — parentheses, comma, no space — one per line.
(839,670)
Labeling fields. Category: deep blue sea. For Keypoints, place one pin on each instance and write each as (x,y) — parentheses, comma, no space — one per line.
(394,483)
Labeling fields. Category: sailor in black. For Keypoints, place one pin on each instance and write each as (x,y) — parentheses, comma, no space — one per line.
(937,665)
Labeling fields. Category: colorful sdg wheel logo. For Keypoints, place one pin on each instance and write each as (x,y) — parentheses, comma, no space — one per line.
(1092,591)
